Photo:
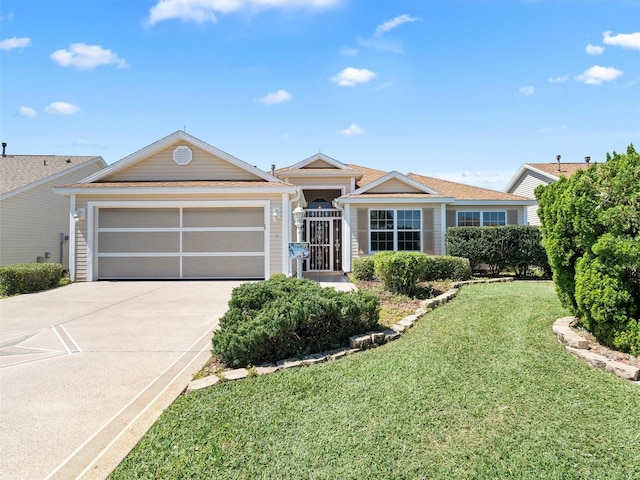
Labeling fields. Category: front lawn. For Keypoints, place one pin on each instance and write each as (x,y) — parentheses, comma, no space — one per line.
(479,388)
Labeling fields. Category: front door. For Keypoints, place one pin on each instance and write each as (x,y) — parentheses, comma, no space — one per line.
(323,235)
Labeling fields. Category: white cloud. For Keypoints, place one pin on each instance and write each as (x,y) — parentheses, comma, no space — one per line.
(494,179)
(274,98)
(348,52)
(87,57)
(352,131)
(625,40)
(393,23)
(14,42)
(61,108)
(26,112)
(561,79)
(352,76)
(202,11)
(594,49)
(8,16)
(597,74)
(530,90)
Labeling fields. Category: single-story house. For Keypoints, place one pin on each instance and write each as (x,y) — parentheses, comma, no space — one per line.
(530,175)
(183,209)
(34,221)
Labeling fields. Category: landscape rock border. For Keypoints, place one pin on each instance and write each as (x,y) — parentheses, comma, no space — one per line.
(357,343)
(579,346)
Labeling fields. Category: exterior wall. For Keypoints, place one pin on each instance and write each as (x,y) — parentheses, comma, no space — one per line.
(161,166)
(515,213)
(394,186)
(277,235)
(358,227)
(526,186)
(31,222)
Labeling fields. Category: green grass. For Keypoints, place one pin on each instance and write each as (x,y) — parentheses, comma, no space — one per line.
(479,388)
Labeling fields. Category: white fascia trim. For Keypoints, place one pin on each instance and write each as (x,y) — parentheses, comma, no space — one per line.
(285,228)
(398,176)
(323,157)
(393,200)
(490,203)
(521,171)
(171,190)
(55,176)
(326,172)
(72,239)
(346,239)
(166,142)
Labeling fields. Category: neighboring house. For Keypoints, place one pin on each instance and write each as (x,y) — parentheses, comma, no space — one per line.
(180,208)
(531,175)
(34,221)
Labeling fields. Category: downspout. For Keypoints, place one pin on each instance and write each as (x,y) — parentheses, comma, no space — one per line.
(72,239)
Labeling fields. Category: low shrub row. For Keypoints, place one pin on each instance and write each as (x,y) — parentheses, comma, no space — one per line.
(516,247)
(286,317)
(402,271)
(29,277)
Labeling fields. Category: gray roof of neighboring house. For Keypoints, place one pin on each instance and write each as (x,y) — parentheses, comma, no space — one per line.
(17,171)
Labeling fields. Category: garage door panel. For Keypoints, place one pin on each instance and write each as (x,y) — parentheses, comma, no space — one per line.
(223,267)
(139,217)
(139,267)
(222,217)
(224,242)
(139,242)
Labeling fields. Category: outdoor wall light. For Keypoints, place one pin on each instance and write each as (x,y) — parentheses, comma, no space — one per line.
(79,214)
(276,213)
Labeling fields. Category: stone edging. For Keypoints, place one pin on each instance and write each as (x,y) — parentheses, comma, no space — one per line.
(579,347)
(357,343)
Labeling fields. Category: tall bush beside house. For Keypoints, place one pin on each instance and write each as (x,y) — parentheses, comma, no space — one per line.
(363,268)
(591,232)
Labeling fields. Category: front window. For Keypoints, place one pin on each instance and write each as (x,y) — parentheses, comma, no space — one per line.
(396,230)
(481,219)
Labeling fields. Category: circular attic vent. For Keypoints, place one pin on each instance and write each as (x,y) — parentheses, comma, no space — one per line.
(182,155)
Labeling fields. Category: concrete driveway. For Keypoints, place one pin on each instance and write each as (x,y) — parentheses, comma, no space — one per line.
(86,369)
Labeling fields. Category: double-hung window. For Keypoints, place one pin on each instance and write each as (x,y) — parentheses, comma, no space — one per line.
(396,230)
(481,219)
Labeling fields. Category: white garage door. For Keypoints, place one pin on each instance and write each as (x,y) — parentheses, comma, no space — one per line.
(180,242)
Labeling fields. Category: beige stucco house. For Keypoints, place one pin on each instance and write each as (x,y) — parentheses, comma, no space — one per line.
(34,221)
(530,175)
(180,209)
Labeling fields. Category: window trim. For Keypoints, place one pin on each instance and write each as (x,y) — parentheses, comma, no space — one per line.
(395,228)
(482,212)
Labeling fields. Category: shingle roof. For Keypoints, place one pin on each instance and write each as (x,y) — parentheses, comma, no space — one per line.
(21,170)
(459,191)
(566,169)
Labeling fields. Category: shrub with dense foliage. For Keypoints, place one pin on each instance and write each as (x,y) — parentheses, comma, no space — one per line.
(363,268)
(286,317)
(400,272)
(29,277)
(517,247)
(591,230)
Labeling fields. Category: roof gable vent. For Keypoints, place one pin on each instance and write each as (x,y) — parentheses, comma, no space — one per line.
(182,155)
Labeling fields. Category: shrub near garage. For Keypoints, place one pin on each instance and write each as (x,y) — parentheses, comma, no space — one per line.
(285,317)
(29,277)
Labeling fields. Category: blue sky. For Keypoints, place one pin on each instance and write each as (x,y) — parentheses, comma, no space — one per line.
(466,90)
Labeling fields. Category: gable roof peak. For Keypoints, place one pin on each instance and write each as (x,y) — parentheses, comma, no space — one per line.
(320,157)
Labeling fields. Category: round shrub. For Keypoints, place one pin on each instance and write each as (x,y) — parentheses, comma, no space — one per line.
(363,268)
(285,317)
(400,272)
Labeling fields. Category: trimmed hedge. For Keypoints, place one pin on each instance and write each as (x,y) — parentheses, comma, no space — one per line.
(363,268)
(518,247)
(29,277)
(400,272)
(286,317)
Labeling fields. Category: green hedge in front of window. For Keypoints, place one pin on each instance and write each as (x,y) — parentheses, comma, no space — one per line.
(517,247)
